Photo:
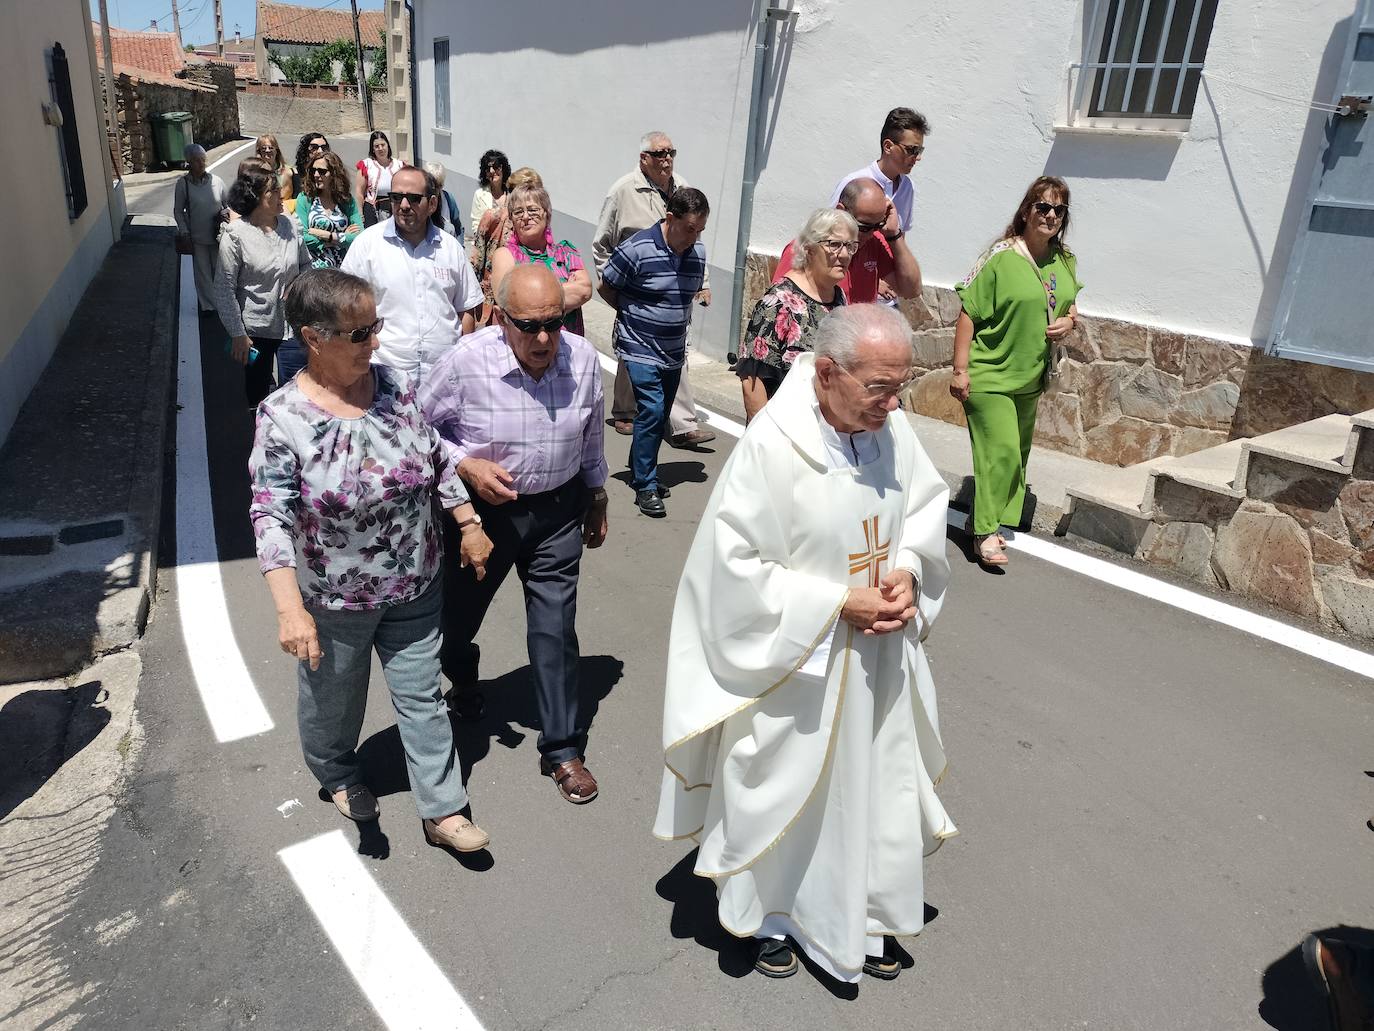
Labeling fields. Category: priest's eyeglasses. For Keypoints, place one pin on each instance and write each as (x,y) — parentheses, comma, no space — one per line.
(877,391)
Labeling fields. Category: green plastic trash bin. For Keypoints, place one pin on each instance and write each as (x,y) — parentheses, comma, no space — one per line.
(172,134)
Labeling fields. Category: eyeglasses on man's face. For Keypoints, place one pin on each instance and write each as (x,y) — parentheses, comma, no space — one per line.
(533,326)
(659,155)
(879,391)
(356,336)
(1044,207)
(413,199)
(913,150)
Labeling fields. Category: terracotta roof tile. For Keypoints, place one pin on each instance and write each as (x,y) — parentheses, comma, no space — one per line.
(288,23)
(153,52)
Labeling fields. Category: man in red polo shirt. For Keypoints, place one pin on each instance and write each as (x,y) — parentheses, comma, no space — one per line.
(883,254)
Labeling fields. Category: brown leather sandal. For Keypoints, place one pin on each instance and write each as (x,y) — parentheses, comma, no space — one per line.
(573,779)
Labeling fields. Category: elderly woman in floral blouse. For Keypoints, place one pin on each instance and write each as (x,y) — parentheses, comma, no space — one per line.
(345,471)
(790,310)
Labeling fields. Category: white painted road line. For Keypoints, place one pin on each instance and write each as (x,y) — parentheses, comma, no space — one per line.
(400,979)
(232,703)
(236,150)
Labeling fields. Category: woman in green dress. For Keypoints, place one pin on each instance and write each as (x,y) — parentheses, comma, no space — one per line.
(1017,303)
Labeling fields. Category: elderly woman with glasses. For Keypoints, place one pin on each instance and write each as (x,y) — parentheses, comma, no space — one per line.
(531,242)
(346,473)
(1017,303)
(788,313)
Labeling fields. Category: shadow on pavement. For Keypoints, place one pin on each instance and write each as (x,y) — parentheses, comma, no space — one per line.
(670,474)
(40,731)
(694,916)
(1291,1001)
(510,703)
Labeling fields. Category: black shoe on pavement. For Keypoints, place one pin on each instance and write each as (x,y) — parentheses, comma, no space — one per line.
(1344,973)
(887,966)
(776,959)
(650,502)
(692,439)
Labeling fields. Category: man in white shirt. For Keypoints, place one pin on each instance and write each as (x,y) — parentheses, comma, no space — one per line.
(901,144)
(426,290)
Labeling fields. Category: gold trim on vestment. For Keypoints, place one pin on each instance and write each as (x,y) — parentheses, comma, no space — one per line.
(825,764)
(829,626)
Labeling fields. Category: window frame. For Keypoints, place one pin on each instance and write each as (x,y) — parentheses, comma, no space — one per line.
(443,101)
(1095,72)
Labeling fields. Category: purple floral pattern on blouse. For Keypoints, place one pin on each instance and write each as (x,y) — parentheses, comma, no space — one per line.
(348,502)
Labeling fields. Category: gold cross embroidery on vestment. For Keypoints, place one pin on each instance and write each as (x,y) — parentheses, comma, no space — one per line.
(873,556)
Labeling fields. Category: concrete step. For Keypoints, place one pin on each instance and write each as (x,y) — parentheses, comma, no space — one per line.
(1327,443)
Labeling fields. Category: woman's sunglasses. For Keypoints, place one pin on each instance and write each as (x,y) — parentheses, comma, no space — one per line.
(357,336)
(317,146)
(1044,207)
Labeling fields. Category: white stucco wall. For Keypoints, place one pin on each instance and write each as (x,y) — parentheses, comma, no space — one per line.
(1189,233)
(569,89)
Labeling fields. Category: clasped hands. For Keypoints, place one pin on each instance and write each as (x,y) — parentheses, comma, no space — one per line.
(883,609)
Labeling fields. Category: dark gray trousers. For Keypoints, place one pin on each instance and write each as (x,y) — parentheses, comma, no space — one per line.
(540,535)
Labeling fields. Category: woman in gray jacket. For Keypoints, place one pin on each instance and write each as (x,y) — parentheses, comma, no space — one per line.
(260,253)
(199,206)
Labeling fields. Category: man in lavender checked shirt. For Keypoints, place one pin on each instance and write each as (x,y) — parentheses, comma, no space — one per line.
(519,406)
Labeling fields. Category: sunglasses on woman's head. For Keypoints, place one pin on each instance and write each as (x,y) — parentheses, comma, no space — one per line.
(356,336)
(1044,207)
(535,325)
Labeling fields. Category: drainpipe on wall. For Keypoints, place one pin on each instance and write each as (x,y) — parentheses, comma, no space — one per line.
(414,90)
(763,46)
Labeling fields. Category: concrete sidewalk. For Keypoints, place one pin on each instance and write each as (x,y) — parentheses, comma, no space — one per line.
(715,387)
(81,470)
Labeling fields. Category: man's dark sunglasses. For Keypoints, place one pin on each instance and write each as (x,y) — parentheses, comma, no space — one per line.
(871,227)
(913,150)
(357,336)
(535,325)
(413,198)
(1044,207)
(670,152)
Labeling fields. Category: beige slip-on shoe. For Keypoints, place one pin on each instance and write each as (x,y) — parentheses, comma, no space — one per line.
(461,835)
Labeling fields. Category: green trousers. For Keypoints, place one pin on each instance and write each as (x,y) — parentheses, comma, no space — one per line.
(1000,428)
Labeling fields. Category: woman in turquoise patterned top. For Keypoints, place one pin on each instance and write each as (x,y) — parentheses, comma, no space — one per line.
(345,474)
(328,214)
(1017,301)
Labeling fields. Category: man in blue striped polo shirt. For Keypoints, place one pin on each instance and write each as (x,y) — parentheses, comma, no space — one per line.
(651,280)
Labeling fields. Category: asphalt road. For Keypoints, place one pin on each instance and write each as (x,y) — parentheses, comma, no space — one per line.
(1154,810)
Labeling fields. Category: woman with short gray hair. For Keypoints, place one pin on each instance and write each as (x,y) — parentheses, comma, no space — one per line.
(790,310)
(531,242)
(345,473)
(200,206)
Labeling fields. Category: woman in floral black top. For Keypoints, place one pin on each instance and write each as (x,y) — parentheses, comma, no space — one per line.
(790,310)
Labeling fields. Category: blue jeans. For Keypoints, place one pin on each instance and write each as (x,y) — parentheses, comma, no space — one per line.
(290,359)
(332,700)
(654,389)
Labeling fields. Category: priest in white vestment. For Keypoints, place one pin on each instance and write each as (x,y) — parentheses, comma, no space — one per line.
(801,742)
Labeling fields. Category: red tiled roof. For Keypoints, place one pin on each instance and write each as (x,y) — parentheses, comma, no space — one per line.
(287,23)
(143,75)
(154,52)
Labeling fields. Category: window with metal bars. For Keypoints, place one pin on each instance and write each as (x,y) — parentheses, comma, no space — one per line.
(1145,60)
(442,118)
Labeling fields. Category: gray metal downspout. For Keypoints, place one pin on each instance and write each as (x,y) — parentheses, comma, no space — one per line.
(414,90)
(763,45)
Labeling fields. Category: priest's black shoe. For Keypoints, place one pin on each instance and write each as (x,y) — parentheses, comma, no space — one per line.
(650,502)
(887,966)
(776,959)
